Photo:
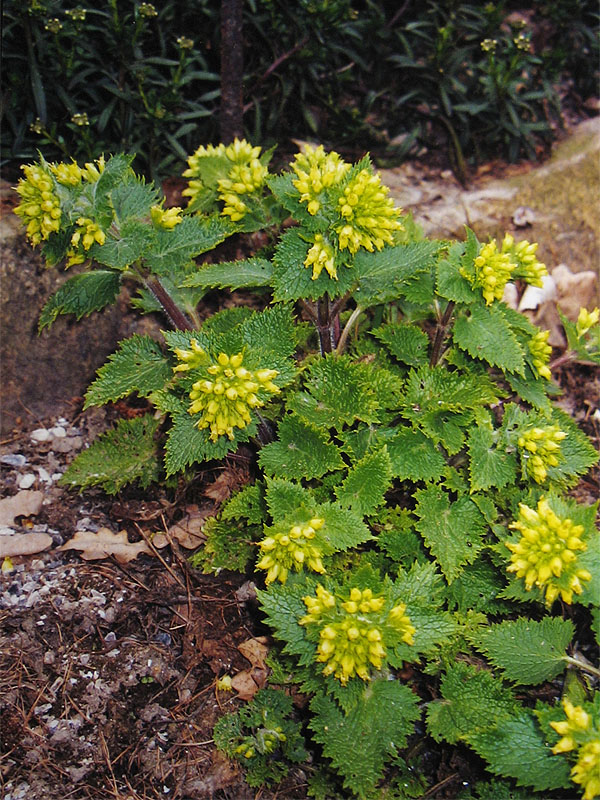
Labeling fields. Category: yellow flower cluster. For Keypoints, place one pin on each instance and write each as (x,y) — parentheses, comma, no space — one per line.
(579,733)
(493,270)
(166,218)
(291,550)
(586,320)
(317,170)
(545,556)
(540,354)
(542,446)
(242,174)
(86,234)
(225,398)
(242,179)
(523,255)
(72,174)
(320,256)
(369,214)
(39,207)
(270,740)
(351,635)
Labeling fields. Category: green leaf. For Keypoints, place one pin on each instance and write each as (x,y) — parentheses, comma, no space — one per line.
(360,743)
(473,700)
(283,606)
(515,748)
(453,531)
(387,274)
(338,393)
(577,451)
(248,503)
(303,451)
(489,465)
(80,295)
(485,334)
(284,498)
(415,457)
(271,330)
(478,588)
(292,280)
(186,444)
(450,283)
(121,456)
(233,274)
(133,239)
(527,651)
(366,483)
(229,545)
(133,199)
(176,247)
(405,342)
(139,365)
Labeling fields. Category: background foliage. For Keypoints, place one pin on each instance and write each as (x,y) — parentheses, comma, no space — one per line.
(362,74)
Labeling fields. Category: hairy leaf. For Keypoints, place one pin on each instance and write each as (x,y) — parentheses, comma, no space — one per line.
(485,334)
(473,700)
(187,444)
(303,451)
(453,531)
(176,247)
(385,274)
(527,651)
(516,748)
(139,365)
(405,342)
(121,456)
(365,485)
(414,456)
(80,295)
(488,464)
(248,503)
(337,393)
(233,274)
(360,742)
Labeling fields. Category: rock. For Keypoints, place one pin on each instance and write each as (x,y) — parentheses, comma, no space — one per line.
(13,460)
(26,481)
(40,435)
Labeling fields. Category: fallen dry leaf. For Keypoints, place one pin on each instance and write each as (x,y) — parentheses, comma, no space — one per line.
(188,531)
(247,682)
(24,544)
(231,479)
(255,650)
(22,504)
(104,543)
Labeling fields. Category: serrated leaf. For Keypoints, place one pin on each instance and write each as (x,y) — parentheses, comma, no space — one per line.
(283,607)
(186,444)
(248,503)
(365,485)
(343,527)
(133,199)
(337,393)
(283,498)
(133,239)
(359,743)
(405,342)
(453,531)
(139,365)
(121,456)
(415,457)
(485,334)
(233,274)
(488,464)
(527,651)
(577,451)
(229,544)
(292,280)
(81,295)
(176,247)
(450,283)
(516,748)
(303,451)
(271,330)
(478,588)
(473,700)
(387,274)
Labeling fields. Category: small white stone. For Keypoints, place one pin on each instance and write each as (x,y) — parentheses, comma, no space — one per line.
(58,431)
(40,435)
(44,474)
(56,476)
(27,481)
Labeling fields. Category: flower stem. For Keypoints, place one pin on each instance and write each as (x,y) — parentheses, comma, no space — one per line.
(440,334)
(176,316)
(582,665)
(347,328)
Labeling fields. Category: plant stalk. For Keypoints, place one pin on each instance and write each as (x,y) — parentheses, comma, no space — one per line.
(440,334)
(582,665)
(347,328)
(176,316)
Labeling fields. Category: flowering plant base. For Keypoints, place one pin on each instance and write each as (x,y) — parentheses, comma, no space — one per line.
(409,496)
